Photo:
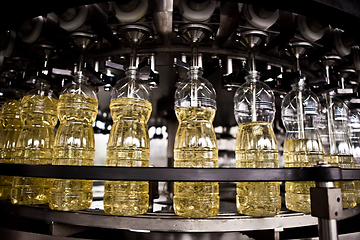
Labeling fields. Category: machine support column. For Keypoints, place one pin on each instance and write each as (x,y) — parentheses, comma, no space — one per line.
(326,205)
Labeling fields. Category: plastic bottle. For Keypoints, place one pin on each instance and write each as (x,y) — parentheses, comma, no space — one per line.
(128,145)
(9,134)
(354,135)
(35,143)
(302,147)
(195,146)
(256,147)
(337,146)
(74,144)
(1,121)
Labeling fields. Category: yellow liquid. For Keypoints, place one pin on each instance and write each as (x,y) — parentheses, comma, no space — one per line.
(35,146)
(357,191)
(256,148)
(347,187)
(9,134)
(128,146)
(301,153)
(357,186)
(74,145)
(196,147)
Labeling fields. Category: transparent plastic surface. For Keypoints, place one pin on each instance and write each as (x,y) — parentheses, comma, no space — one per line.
(128,146)
(1,120)
(301,153)
(35,144)
(334,130)
(131,87)
(9,134)
(254,100)
(355,143)
(302,147)
(195,146)
(256,147)
(195,91)
(74,144)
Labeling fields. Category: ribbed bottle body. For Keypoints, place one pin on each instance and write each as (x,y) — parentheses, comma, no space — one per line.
(348,192)
(196,147)
(74,145)
(35,146)
(9,135)
(256,148)
(128,146)
(301,153)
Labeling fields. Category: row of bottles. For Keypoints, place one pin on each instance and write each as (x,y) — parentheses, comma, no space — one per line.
(30,139)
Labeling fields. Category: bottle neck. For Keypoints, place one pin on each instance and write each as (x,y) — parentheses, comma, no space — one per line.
(132,73)
(253,77)
(195,72)
(80,78)
(299,86)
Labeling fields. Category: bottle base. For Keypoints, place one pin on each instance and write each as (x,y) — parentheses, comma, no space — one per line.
(5,192)
(357,191)
(126,198)
(298,202)
(116,204)
(297,196)
(347,193)
(5,187)
(258,199)
(70,195)
(70,201)
(196,207)
(29,191)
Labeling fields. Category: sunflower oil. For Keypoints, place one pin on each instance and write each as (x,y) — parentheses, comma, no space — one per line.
(74,145)
(347,187)
(128,146)
(301,153)
(256,148)
(9,134)
(35,146)
(196,147)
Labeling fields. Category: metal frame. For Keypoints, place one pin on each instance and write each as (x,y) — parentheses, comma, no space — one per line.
(181,174)
(13,13)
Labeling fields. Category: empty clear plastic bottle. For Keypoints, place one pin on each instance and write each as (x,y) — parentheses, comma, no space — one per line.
(9,134)
(195,146)
(256,147)
(128,145)
(302,147)
(74,144)
(35,143)
(354,135)
(334,129)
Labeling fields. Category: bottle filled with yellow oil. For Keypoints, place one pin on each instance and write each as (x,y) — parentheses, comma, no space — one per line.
(302,147)
(334,130)
(74,144)
(256,147)
(354,135)
(1,121)
(35,143)
(301,153)
(195,145)
(9,134)
(348,192)
(128,145)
